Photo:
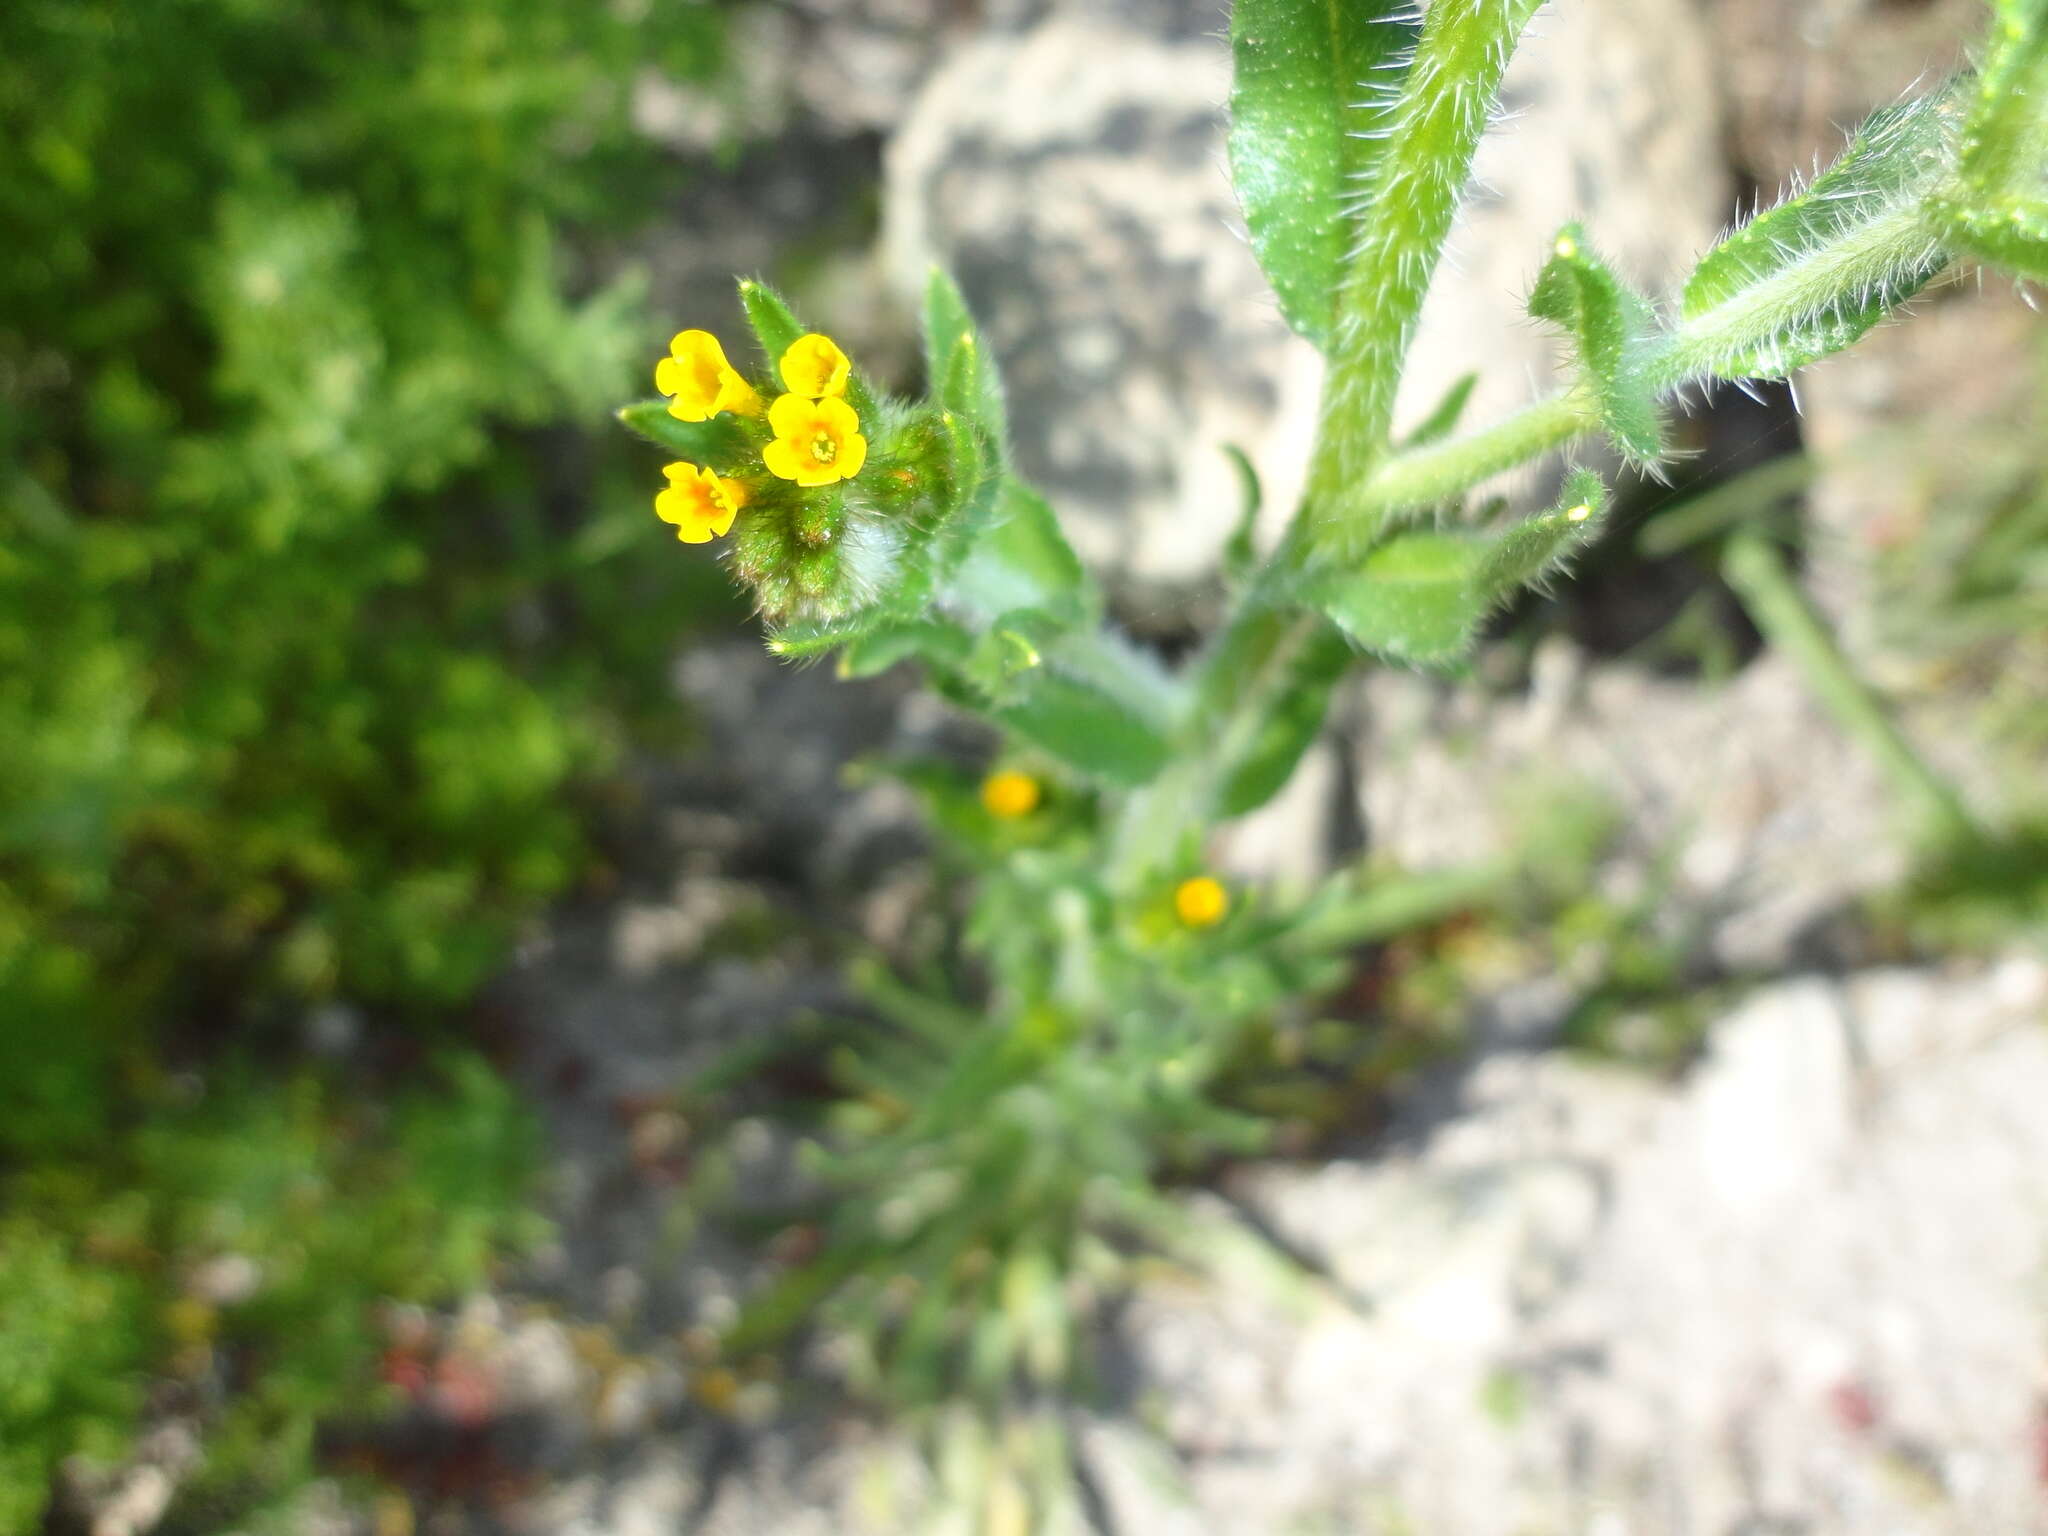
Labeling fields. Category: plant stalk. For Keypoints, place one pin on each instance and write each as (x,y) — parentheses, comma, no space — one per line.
(1757,571)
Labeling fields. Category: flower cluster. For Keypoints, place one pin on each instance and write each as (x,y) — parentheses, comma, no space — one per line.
(816,438)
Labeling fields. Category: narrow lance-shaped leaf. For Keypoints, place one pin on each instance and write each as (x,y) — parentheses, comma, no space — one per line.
(1616,335)
(1240,554)
(718,442)
(776,326)
(1811,275)
(1441,422)
(959,371)
(1291,725)
(1996,206)
(1313,80)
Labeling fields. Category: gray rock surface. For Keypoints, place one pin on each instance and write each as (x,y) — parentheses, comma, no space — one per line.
(1768,817)
(1800,1291)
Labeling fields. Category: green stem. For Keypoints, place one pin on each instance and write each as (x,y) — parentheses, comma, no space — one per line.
(1426,477)
(1445,101)
(1757,571)
(1235,688)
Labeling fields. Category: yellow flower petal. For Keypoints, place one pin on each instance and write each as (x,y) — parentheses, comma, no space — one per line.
(813,366)
(837,417)
(702,382)
(816,443)
(790,415)
(700,504)
(780,457)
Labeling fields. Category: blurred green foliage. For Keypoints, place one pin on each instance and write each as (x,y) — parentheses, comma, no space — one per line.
(302,646)
(305,1205)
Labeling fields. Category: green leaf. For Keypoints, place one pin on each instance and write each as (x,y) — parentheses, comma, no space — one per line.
(1240,555)
(880,649)
(1421,597)
(1538,547)
(1809,276)
(1292,725)
(1616,335)
(718,443)
(1089,730)
(1021,560)
(1443,421)
(1413,599)
(959,370)
(775,326)
(1307,103)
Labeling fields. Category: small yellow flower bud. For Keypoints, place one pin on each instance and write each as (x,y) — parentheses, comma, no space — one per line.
(814,367)
(1010,795)
(1201,902)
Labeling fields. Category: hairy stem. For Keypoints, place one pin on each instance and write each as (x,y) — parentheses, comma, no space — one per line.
(1445,101)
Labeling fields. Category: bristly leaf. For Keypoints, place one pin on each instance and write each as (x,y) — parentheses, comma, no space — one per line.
(1539,547)
(1312,84)
(1412,600)
(959,370)
(775,326)
(1996,207)
(717,443)
(881,649)
(1421,597)
(1811,275)
(1616,336)
(1089,730)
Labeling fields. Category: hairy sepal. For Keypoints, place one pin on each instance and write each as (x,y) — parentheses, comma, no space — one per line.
(1616,336)
(1312,86)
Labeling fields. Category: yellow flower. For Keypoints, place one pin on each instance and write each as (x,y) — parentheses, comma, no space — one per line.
(1010,794)
(703,383)
(813,366)
(816,442)
(1201,902)
(701,505)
